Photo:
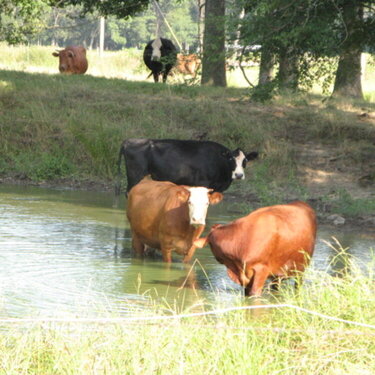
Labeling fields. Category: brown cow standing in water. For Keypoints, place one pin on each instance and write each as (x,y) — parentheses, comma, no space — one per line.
(168,217)
(72,60)
(188,64)
(274,241)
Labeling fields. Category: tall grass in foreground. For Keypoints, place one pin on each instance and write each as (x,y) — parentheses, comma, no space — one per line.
(261,341)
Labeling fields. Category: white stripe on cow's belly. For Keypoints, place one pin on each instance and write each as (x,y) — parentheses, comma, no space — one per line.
(198,203)
(156,49)
(239,173)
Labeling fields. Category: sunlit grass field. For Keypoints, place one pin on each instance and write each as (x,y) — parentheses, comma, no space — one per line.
(128,64)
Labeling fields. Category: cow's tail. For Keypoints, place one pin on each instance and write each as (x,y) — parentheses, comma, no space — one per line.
(119,176)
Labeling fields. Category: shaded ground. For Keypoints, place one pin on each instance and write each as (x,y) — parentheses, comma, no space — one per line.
(322,171)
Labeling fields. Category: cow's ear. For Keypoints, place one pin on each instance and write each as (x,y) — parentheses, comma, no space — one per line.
(251,156)
(215,197)
(56,54)
(200,242)
(183,195)
(227,154)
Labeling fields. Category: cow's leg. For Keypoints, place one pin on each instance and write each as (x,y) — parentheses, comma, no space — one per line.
(167,255)
(189,254)
(197,233)
(156,76)
(260,276)
(165,73)
(166,251)
(138,246)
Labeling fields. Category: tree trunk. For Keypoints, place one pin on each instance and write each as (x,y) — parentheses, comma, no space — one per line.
(159,22)
(288,69)
(348,75)
(213,64)
(267,62)
(201,11)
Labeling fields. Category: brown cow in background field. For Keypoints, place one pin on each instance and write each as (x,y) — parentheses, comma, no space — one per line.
(274,241)
(188,64)
(72,60)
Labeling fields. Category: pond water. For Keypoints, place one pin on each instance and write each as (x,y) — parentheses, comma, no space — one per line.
(66,252)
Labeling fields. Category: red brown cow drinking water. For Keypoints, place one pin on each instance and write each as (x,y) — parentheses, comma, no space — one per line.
(72,60)
(274,241)
(168,217)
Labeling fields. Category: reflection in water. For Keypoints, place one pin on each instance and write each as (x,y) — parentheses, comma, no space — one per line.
(69,252)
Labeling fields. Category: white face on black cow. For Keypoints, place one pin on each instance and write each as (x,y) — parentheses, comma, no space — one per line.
(156,49)
(198,204)
(239,170)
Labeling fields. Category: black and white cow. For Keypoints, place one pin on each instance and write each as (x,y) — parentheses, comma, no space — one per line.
(183,162)
(160,55)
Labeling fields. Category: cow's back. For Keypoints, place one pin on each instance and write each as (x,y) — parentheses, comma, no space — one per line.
(80,60)
(197,163)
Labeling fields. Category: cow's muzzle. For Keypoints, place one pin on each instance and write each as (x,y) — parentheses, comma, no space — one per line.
(197,223)
(239,176)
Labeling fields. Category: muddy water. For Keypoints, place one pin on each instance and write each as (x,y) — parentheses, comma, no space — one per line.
(68,252)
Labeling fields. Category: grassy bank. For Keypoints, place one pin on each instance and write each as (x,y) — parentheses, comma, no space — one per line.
(69,128)
(261,341)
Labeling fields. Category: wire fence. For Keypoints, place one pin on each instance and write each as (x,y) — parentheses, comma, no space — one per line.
(157,318)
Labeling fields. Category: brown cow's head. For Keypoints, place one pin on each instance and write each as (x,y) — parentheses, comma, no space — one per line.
(198,199)
(66,60)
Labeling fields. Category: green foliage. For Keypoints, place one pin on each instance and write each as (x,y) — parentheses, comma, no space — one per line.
(65,26)
(319,71)
(20,19)
(42,166)
(119,8)
(313,32)
(263,93)
(343,203)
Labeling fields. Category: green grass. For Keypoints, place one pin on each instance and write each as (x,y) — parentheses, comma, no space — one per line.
(70,127)
(260,341)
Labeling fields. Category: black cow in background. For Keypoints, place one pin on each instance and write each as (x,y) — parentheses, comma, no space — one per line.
(183,162)
(160,55)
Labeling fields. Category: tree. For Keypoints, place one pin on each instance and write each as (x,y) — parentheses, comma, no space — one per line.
(213,66)
(20,19)
(356,34)
(305,33)
(213,63)
(120,8)
(128,29)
